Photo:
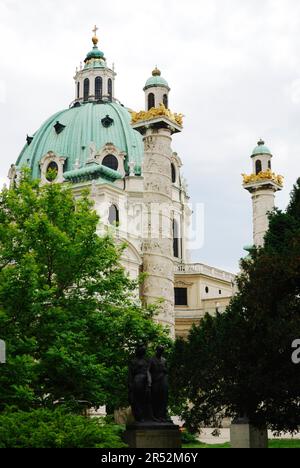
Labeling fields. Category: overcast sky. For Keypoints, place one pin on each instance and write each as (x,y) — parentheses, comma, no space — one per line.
(234,70)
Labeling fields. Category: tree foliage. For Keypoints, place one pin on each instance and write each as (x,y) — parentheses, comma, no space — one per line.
(239,363)
(68,311)
(42,428)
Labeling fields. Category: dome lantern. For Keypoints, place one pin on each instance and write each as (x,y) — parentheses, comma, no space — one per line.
(156,90)
(95,81)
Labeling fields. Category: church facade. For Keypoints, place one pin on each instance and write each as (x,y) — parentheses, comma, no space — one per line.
(126,160)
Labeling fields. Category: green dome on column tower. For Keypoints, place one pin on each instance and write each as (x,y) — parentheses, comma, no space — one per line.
(156,80)
(261,148)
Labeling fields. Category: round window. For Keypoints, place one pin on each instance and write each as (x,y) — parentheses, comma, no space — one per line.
(52,171)
(111,162)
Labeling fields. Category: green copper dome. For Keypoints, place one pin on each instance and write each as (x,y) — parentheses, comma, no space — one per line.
(261,148)
(94,54)
(156,80)
(69,134)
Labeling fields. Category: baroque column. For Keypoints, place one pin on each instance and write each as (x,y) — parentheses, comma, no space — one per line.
(262,184)
(157,127)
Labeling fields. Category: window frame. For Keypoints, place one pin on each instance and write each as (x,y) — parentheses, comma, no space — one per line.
(181,300)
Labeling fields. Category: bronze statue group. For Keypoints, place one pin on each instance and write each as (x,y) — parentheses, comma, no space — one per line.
(148,387)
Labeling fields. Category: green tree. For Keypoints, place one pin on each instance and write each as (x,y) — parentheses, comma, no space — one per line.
(68,310)
(239,363)
(42,428)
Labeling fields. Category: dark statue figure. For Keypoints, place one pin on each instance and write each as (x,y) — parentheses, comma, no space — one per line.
(160,386)
(140,386)
(148,387)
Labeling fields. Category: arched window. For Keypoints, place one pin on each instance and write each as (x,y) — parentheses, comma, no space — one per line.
(109,88)
(269,165)
(258,167)
(98,88)
(111,162)
(166,101)
(175,239)
(78,90)
(86,89)
(113,217)
(173,172)
(151,101)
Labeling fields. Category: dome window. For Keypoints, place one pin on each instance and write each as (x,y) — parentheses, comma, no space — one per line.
(269,165)
(29,140)
(86,89)
(59,127)
(78,90)
(113,217)
(52,171)
(107,121)
(173,173)
(109,89)
(98,88)
(111,162)
(151,101)
(258,167)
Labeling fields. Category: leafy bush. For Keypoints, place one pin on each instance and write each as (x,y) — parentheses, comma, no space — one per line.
(56,429)
(188,438)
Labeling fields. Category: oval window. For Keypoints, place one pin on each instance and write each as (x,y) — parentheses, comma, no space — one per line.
(52,171)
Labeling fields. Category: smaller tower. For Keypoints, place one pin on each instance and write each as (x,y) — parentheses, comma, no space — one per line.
(156,91)
(262,184)
(95,82)
(157,126)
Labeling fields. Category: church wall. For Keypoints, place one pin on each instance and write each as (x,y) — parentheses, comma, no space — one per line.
(199,301)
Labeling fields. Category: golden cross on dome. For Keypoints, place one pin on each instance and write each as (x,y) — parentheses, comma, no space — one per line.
(95,30)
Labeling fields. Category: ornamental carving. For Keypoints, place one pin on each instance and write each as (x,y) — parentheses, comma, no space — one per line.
(154,287)
(159,268)
(263,176)
(183,284)
(149,143)
(155,113)
(157,183)
(162,247)
(157,165)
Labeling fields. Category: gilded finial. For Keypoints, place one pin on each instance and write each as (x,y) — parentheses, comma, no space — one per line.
(156,72)
(95,38)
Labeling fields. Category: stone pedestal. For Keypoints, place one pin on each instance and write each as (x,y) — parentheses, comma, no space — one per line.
(245,435)
(153,436)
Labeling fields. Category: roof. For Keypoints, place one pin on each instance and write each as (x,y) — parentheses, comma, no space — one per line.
(79,127)
(261,148)
(156,80)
